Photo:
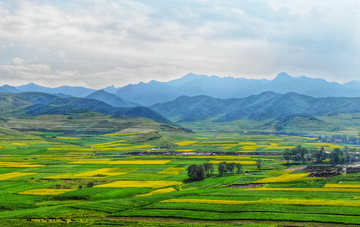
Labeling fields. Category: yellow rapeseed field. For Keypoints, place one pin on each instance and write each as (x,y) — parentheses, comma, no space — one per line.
(92,174)
(69,149)
(279,172)
(67,138)
(329,145)
(274,201)
(141,146)
(220,157)
(281,163)
(13,175)
(104,171)
(111,146)
(108,143)
(249,148)
(172,171)
(276,146)
(92,161)
(123,134)
(241,162)
(247,143)
(186,150)
(18,164)
(218,142)
(63,157)
(140,184)
(185,143)
(342,186)
(19,144)
(283,178)
(46,191)
(122,162)
(226,148)
(140,162)
(308,189)
(159,191)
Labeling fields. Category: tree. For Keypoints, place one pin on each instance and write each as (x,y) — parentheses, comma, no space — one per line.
(322,154)
(287,155)
(192,171)
(222,168)
(201,174)
(259,163)
(337,156)
(303,153)
(239,169)
(197,172)
(209,169)
(230,167)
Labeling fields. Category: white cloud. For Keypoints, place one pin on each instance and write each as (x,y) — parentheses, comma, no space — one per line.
(104,42)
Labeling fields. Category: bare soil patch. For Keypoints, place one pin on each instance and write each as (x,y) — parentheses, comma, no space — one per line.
(296,168)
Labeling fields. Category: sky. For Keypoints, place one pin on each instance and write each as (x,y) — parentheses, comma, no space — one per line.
(98,43)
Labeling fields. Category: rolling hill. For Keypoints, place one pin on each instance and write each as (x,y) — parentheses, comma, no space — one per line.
(35,103)
(267,105)
(300,122)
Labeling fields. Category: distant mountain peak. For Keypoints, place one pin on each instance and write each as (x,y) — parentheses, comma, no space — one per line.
(282,77)
(67,90)
(190,74)
(109,98)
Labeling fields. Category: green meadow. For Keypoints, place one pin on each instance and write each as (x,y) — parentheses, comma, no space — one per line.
(119,178)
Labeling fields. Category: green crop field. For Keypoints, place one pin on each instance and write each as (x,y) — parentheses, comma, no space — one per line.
(86,179)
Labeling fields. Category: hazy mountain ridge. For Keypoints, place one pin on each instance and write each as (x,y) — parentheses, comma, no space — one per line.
(110,99)
(36,103)
(229,87)
(8,88)
(267,105)
(147,94)
(67,90)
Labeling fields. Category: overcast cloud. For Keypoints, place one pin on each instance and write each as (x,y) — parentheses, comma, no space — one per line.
(99,43)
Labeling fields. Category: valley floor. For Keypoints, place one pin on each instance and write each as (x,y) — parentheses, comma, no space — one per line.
(57,178)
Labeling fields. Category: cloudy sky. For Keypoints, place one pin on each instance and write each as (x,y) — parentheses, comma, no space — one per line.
(98,43)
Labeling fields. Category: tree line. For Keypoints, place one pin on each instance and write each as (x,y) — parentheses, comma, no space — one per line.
(302,155)
(339,138)
(206,170)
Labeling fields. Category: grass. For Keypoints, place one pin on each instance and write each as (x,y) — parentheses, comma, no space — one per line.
(140,184)
(86,175)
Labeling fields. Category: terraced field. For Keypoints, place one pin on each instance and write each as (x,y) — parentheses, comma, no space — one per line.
(53,178)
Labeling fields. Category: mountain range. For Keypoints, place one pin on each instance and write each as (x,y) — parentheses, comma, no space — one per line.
(147,94)
(228,87)
(267,105)
(67,90)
